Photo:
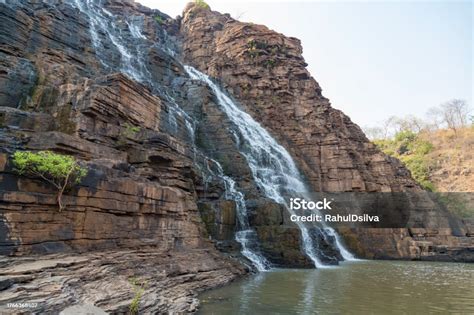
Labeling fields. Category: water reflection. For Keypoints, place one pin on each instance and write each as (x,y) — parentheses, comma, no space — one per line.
(363,287)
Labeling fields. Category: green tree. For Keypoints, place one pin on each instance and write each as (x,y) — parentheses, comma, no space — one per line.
(61,171)
(202,4)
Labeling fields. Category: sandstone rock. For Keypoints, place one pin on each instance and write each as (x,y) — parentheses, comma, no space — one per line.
(102,280)
(265,212)
(82,309)
(220,219)
(135,214)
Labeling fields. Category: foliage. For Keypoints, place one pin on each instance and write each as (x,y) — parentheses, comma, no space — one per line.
(159,19)
(61,171)
(419,170)
(252,49)
(139,289)
(270,63)
(202,4)
(254,45)
(408,147)
(129,131)
(258,48)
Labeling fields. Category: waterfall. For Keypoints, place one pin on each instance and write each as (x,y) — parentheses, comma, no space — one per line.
(245,235)
(272,166)
(101,21)
(132,53)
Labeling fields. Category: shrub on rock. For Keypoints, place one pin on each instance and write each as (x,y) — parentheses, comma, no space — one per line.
(61,171)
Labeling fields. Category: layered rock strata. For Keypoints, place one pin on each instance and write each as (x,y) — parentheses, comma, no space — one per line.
(109,280)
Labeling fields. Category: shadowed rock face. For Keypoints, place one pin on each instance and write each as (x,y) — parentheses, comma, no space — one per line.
(152,201)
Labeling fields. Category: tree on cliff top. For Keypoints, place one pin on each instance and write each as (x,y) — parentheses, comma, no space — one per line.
(202,4)
(455,114)
(59,170)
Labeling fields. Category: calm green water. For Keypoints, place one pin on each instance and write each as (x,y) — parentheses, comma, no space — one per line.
(364,287)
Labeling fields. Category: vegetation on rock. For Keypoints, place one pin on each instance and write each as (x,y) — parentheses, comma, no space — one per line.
(452,159)
(139,289)
(159,19)
(129,131)
(61,171)
(435,149)
(202,4)
(442,159)
(408,147)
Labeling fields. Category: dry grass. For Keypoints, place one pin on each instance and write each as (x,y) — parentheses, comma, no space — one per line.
(452,159)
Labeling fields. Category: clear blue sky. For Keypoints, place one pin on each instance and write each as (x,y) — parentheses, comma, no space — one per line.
(373,59)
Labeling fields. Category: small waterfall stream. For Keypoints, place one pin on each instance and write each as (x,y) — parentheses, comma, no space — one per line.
(245,235)
(272,166)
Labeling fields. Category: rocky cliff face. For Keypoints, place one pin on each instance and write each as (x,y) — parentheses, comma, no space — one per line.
(105,83)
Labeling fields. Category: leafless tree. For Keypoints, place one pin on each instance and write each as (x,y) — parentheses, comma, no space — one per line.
(455,113)
(374,133)
(389,126)
(410,123)
(239,15)
(434,117)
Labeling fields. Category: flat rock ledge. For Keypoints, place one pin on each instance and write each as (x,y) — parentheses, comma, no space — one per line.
(101,282)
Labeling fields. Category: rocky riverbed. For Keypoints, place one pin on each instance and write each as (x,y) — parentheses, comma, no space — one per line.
(170,280)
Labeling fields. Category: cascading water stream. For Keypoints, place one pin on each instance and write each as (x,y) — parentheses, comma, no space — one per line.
(272,166)
(245,235)
(103,22)
(99,23)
